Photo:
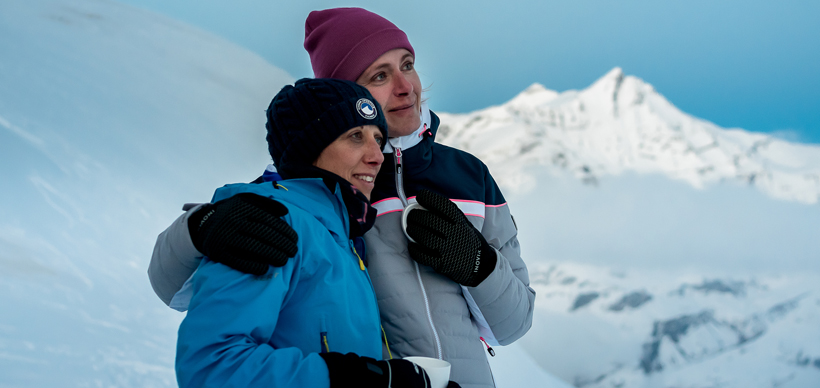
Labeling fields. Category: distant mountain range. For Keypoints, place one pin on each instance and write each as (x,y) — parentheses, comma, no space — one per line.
(603,328)
(622,124)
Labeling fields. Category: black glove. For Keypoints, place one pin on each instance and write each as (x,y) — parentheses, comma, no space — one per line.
(453,384)
(446,241)
(245,232)
(351,370)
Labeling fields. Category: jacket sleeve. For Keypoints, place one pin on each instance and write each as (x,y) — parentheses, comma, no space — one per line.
(505,298)
(225,339)
(174,259)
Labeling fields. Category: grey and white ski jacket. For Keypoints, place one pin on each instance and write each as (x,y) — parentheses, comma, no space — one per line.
(423,313)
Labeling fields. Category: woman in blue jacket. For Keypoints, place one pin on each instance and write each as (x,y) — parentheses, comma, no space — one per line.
(312,321)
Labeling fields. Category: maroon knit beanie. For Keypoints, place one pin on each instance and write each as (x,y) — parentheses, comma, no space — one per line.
(343,42)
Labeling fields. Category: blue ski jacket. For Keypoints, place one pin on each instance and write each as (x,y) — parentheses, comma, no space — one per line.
(246,331)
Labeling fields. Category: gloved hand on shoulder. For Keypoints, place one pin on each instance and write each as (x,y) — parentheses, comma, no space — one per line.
(245,232)
(352,370)
(447,241)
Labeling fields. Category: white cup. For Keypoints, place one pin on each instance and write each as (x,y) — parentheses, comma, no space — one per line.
(438,370)
(404,214)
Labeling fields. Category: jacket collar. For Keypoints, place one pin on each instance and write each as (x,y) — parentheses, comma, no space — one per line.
(361,215)
(415,162)
(409,141)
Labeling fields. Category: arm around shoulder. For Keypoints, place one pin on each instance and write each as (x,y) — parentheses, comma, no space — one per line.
(243,230)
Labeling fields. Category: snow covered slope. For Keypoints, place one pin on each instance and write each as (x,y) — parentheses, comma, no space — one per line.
(621,124)
(110,119)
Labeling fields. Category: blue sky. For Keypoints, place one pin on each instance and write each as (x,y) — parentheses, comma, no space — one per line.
(749,64)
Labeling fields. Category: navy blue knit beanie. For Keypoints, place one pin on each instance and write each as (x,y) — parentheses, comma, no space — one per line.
(305,118)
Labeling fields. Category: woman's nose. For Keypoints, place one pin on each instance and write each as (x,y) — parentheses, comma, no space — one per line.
(401,85)
(374,153)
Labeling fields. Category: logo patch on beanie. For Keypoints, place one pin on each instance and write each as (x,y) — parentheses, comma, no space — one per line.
(366,108)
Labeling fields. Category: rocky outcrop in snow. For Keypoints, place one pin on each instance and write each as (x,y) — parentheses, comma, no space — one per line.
(662,329)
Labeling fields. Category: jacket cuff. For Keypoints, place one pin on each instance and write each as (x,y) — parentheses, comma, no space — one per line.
(174,259)
(505,301)
(498,277)
(182,235)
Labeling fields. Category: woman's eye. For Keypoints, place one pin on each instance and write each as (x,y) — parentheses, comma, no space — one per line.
(379,140)
(408,66)
(379,77)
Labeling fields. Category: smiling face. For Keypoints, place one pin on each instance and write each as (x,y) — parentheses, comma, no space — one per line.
(394,83)
(356,156)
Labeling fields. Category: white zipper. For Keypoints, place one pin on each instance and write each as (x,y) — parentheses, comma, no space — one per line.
(429,316)
(398,158)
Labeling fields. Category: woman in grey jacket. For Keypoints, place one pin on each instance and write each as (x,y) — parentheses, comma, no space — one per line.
(461,281)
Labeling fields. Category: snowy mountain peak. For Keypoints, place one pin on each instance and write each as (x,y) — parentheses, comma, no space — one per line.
(535,89)
(622,124)
(615,74)
(609,83)
(535,94)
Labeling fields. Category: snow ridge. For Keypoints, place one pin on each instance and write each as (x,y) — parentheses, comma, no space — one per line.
(621,123)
